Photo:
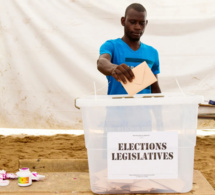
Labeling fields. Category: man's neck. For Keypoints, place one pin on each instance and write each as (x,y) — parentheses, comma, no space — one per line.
(134,45)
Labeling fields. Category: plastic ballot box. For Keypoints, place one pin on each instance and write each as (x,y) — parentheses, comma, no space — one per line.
(140,144)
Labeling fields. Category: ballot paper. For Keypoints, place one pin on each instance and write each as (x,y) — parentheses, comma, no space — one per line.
(104,185)
(143,78)
(176,185)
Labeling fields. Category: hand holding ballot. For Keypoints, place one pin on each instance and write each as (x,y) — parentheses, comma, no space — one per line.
(123,73)
(143,77)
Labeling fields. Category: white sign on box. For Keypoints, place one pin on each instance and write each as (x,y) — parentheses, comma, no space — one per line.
(142,155)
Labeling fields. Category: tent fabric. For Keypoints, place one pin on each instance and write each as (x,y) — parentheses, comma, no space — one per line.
(49,49)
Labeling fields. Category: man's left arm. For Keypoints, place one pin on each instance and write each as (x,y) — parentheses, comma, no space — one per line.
(155,88)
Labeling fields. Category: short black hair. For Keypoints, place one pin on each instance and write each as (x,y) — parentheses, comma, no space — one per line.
(136,6)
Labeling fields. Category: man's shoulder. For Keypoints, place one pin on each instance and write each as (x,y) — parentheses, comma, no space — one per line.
(109,46)
(113,41)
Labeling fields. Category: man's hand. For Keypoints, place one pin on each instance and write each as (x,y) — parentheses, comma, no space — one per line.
(122,72)
(119,72)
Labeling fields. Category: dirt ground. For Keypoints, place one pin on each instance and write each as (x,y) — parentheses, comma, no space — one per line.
(67,146)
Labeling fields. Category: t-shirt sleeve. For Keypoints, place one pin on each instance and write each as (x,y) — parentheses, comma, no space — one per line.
(156,65)
(107,47)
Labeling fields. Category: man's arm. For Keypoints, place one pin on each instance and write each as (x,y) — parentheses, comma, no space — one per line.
(155,87)
(119,72)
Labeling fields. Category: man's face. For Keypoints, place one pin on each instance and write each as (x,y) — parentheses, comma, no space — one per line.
(134,24)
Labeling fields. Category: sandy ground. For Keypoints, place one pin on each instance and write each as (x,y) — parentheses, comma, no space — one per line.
(64,146)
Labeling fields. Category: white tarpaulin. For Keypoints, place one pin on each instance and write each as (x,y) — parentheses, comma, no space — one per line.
(49,48)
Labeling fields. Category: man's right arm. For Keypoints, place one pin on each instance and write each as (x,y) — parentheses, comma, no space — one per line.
(119,72)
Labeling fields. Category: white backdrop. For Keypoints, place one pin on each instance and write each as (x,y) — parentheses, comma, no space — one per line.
(49,48)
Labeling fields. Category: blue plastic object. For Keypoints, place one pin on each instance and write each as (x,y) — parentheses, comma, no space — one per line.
(211,102)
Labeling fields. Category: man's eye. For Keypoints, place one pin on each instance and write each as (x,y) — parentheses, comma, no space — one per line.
(132,22)
(143,23)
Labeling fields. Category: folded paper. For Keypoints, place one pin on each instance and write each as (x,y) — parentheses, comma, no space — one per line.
(104,185)
(144,77)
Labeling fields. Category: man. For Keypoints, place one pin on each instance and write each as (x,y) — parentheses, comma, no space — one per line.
(119,56)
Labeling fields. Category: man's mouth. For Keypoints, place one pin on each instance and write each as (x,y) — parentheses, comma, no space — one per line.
(136,34)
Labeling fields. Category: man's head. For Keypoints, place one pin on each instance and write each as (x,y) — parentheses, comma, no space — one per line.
(134,21)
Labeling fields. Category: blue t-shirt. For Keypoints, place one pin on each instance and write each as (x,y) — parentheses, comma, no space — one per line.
(121,53)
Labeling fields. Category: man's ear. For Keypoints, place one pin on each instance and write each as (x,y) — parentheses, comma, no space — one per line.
(123,21)
(146,22)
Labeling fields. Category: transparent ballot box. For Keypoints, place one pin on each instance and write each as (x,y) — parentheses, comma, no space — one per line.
(140,144)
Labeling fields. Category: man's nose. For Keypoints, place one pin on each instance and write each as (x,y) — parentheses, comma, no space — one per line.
(137,26)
